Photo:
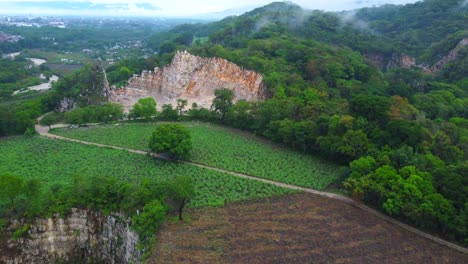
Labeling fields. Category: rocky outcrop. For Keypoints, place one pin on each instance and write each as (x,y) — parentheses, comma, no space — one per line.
(453,54)
(395,60)
(82,235)
(405,61)
(192,78)
(401,60)
(66,104)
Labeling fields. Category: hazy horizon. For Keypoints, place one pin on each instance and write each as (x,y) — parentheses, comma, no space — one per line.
(174,8)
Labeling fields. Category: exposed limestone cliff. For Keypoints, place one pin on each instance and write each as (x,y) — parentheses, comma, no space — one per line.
(66,104)
(396,60)
(453,54)
(401,60)
(82,235)
(192,78)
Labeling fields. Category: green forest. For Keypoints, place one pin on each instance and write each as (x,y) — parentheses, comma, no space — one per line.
(402,131)
(397,135)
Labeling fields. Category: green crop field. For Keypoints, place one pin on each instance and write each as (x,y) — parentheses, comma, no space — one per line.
(224,148)
(55,161)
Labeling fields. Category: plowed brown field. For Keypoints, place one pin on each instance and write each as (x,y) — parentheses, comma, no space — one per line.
(300,228)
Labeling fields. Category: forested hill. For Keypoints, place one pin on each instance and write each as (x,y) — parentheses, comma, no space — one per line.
(426,29)
(336,89)
(270,21)
(403,131)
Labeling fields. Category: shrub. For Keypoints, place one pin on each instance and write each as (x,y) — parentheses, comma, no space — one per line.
(174,139)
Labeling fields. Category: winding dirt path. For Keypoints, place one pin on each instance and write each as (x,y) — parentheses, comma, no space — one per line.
(44,131)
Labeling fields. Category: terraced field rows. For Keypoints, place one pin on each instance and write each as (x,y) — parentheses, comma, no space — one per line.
(299,228)
(224,148)
(54,161)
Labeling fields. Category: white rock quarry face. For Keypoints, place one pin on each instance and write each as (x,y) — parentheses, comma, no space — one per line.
(191,78)
(82,234)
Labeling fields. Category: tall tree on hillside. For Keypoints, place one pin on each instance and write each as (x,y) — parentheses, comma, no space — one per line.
(145,107)
(181,191)
(173,139)
(222,102)
(181,104)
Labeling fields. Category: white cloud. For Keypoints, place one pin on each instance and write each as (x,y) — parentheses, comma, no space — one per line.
(187,7)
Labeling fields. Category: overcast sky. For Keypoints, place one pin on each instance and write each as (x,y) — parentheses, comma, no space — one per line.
(165,8)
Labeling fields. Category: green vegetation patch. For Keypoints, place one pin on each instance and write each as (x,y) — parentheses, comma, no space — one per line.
(53,161)
(58,57)
(224,148)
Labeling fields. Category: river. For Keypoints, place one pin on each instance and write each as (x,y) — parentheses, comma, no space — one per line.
(40,87)
(11,55)
(37,62)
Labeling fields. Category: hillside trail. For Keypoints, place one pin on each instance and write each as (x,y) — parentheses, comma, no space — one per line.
(44,131)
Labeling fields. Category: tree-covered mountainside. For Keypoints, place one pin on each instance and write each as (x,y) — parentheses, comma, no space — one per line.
(336,88)
(403,130)
(427,29)
(270,21)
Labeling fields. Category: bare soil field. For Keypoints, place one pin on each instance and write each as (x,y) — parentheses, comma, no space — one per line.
(300,228)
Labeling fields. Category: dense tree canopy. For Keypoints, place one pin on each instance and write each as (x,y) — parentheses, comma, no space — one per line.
(222,102)
(331,90)
(84,87)
(173,139)
(145,108)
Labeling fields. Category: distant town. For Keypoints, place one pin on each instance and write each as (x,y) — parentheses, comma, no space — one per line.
(4,37)
(21,21)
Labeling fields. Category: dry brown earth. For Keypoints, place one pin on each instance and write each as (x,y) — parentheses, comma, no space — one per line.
(302,228)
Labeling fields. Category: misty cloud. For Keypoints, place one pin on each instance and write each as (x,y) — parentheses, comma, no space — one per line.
(295,17)
(172,8)
(350,18)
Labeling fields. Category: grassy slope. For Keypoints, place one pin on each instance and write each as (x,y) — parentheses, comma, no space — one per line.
(54,161)
(224,148)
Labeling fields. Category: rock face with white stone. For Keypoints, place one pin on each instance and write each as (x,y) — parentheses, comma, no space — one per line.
(405,61)
(191,78)
(81,235)
(394,61)
(451,56)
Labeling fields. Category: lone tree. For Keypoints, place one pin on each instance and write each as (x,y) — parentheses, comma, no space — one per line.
(168,113)
(181,190)
(222,102)
(181,104)
(145,107)
(174,139)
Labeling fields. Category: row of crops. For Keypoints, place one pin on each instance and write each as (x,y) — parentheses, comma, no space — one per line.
(54,161)
(224,148)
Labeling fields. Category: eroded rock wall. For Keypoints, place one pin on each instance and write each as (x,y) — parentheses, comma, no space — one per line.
(192,78)
(406,61)
(453,54)
(395,60)
(82,235)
